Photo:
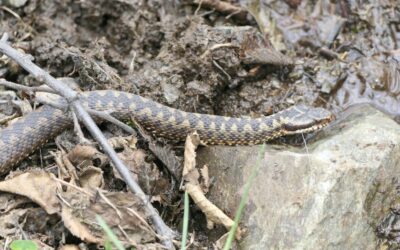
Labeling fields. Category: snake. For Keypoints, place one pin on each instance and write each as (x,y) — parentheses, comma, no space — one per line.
(30,132)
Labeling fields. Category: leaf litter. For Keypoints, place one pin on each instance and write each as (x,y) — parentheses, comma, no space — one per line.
(202,61)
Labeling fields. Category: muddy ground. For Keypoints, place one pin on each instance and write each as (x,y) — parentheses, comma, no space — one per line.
(199,58)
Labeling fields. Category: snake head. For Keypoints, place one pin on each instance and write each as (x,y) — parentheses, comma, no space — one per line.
(303,119)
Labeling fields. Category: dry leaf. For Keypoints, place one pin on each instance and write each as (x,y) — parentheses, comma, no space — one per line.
(205,183)
(123,142)
(10,201)
(91,178)
(28,221)
(9,223)
(190,173)
(81,153)
(79,215)
(147,174)
(77,228)
(167,156)
(38,186)
(78,208)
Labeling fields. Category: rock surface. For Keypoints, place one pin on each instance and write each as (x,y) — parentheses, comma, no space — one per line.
(330,195)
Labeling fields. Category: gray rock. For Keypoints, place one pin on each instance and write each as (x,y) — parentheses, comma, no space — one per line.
(330,195)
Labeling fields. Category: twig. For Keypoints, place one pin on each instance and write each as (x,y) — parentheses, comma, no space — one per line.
(73,99)
(218,46)
(78,130)
(106,200)
(223,71)
(56,105)
(29,90)
(224,7)
(107,117)
(11,12)
(4,38)
(142,220)
(191,176)
(82,190)
(322,50)
(100,114)
(198,7)
(132,64)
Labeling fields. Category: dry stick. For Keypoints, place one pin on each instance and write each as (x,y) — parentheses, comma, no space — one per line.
(78,130)
(27,89)
(108,117)
(104,115)
(223,7)
(72,98)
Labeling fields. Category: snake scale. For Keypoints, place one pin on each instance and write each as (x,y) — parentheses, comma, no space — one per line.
(26,135)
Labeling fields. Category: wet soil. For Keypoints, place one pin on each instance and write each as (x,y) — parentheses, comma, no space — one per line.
(209,60)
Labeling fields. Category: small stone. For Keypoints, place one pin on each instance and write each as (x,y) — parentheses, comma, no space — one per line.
(171,93)
(276,84)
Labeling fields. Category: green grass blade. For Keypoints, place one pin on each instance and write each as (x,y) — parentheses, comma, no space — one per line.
(243,201)
(110,234)
(185,225)
(108,245)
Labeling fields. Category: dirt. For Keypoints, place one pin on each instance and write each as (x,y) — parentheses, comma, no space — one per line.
(205,60)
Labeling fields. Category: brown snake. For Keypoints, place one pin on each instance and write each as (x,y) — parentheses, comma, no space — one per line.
(24,136)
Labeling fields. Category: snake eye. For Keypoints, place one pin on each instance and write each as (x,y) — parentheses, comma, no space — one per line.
(306,119)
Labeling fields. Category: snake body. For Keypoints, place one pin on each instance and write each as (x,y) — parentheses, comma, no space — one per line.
(24,136)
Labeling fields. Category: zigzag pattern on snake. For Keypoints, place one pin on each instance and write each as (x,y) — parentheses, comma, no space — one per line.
(24,136)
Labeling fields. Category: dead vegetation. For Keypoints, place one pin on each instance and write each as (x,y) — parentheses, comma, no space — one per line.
(191,55)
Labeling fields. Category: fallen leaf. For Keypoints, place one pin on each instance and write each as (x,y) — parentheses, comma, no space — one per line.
(77,228)
(91,178)
(190,173)
(82,153)
(38,186)
(79,216)
(9,201)
(9,222)
(205,183)
(168,157)
(123,142)
(146,174)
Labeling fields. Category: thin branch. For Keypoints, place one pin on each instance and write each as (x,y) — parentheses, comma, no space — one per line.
(224,7)
(11,12)
(4,38)
(56,105)
(78,130)
(29,90)
(107,117)
(73,99)
(100,114)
